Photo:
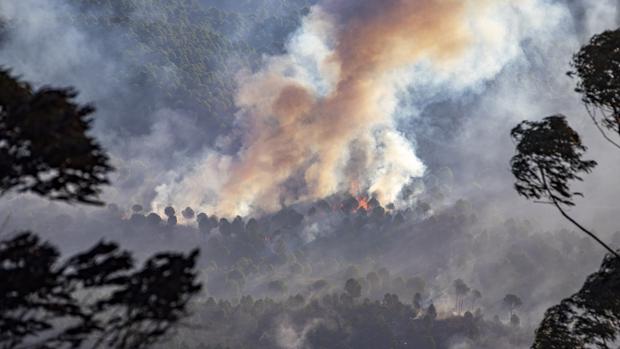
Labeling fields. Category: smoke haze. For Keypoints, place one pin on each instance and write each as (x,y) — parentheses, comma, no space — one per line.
(409,102)
(324,118)
(348,108)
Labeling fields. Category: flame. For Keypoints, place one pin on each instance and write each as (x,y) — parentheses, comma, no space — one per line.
(362,203)
(356,191)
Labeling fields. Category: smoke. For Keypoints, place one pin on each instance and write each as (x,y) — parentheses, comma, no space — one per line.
(324,117)
(348,108)
(344,109)
(339,132)
(289,337)
(150,140)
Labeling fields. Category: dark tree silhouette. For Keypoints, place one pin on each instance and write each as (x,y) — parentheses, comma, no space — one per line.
(431,312)
(461,290)
(169,211)
(512,302)
(44,146)
(151,301)
(188,213)
(94,298)
(597,68)
(549,156)
(49,304)
(417,302)
(353,288)
(32,291)
(588,319)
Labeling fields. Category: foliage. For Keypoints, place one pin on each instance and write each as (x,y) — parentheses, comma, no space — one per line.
(92,298)
(461,289)
(44,146)
(335,320)
(597,67)
(189,52)
(588,318)
(549,156)
(512,302)
(353,288)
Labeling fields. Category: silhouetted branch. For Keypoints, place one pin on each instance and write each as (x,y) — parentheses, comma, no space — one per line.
(582,228)
(592,115)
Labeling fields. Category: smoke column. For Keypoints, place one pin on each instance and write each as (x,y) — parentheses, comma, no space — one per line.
(339,132)
(322,118)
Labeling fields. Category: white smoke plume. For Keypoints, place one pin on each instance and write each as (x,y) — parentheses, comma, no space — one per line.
(323,118)
(289,337)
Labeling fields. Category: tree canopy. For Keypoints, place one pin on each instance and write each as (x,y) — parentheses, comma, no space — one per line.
(589,318)
(597,68)
(61,304)
(549,156)
(44,144)
(93,298)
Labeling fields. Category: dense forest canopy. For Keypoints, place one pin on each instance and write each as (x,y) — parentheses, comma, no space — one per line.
(171,107)
(190,51)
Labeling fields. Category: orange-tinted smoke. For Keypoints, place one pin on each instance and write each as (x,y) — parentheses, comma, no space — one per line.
(294,132)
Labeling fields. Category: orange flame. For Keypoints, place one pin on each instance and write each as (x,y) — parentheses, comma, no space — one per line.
(362,203)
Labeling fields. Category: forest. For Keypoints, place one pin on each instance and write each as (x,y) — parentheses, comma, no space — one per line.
(90,259)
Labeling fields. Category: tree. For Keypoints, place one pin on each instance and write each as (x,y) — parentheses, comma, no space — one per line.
(597,68)
(417,302)
(514,320)
(225,227)
(57,305)
(95,297)
(171,214)
(205,224)
(153,219)
(188,213)
(549,156)
(44,145)
(353,288)
(512,302)
(588,318)
(475,296)
(31,287)
(169,211)
(549,152)
(431,312)
(461,290)
(172,220)
(151,302)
